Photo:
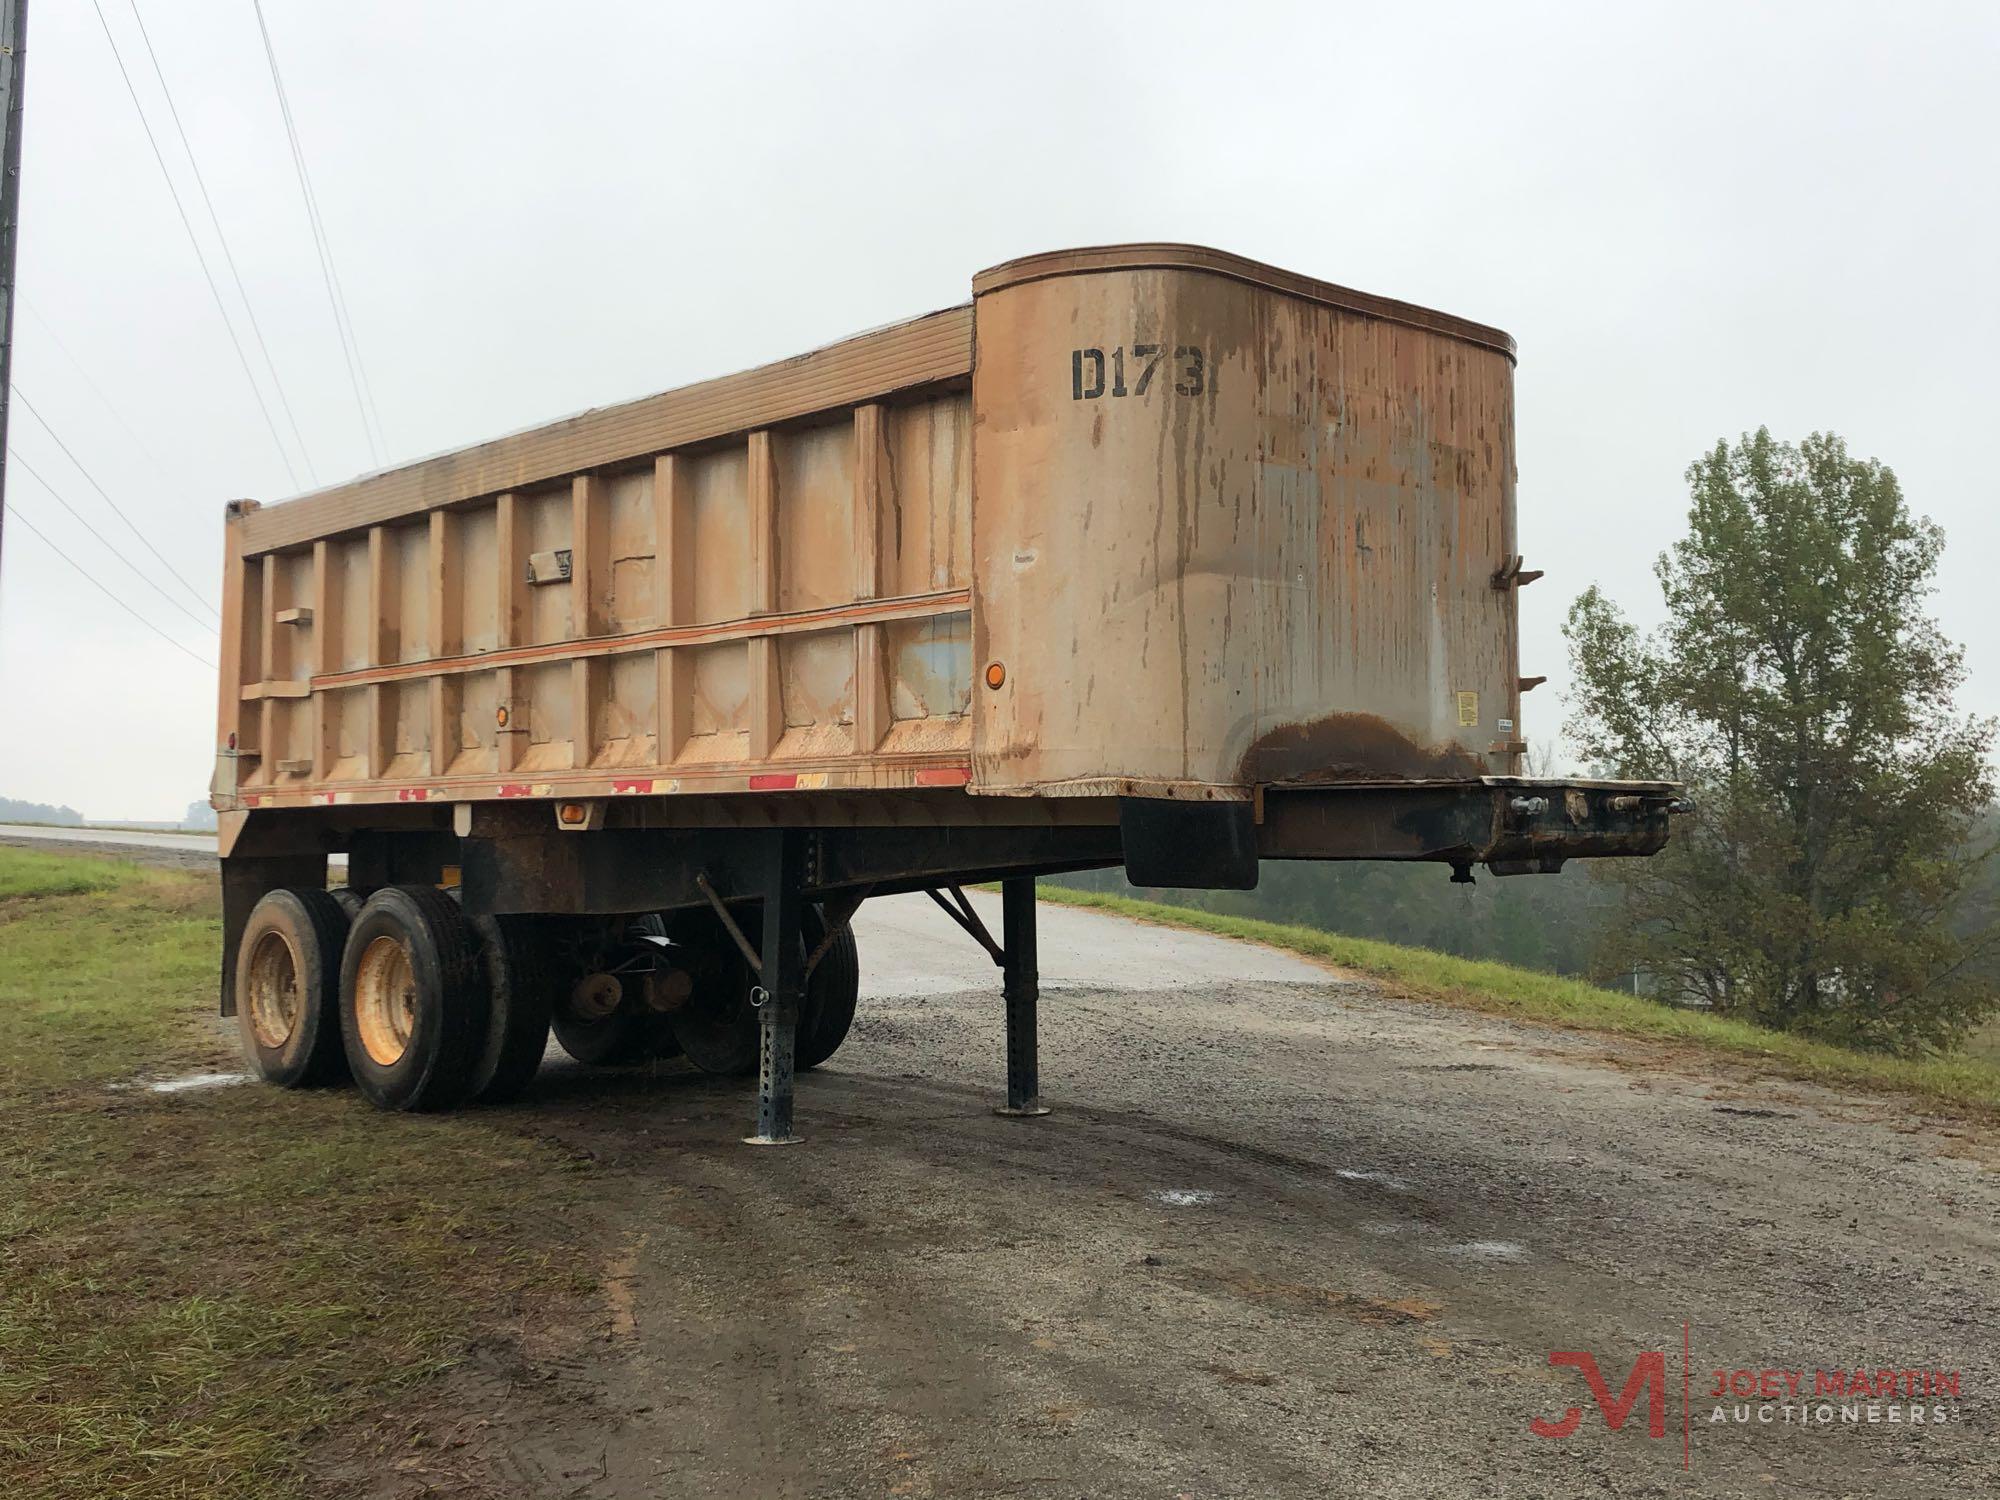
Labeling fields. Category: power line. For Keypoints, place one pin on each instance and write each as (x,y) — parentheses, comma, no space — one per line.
(207,275)
(228,255)
(89,478)
(109,546)
(49,329)
(107,592)
(343,322)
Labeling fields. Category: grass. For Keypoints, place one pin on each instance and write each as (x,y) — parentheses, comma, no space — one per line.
(55,875)
(1967,1082)
(195,1288)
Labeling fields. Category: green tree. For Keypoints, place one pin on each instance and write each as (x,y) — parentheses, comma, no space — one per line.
(1801,691)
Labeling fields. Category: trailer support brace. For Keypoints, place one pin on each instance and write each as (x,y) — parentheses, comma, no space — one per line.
(968,919)
(750,954)
(1021,982)
(781,989)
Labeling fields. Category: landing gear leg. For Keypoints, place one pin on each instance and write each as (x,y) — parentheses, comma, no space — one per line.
(782,986)
(1021,983)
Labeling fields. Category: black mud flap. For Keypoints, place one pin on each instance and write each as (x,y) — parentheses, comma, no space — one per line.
(1199,845)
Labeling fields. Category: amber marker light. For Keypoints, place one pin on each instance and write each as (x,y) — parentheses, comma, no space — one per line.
(500,716)
(996,674)
(573,812)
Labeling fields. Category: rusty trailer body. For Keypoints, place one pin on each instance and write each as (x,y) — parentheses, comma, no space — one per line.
(1149,556)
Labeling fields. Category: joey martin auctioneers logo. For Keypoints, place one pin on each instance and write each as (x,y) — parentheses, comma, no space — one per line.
(1820,1400)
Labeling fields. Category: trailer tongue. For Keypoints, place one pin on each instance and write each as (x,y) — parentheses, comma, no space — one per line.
(1151,556)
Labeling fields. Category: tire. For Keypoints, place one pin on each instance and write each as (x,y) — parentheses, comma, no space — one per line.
(288,988)
(719,1029)
(349,899)
(614,1042)
(628,1035)
(520,991)
(831,994)
(413,1006)
(660,1039)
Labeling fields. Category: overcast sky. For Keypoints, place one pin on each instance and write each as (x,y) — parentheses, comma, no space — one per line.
(1693,219)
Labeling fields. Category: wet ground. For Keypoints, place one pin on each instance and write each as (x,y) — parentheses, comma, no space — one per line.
(1282,1236)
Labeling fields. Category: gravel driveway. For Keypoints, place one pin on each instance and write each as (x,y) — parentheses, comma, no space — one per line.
(1282,1236)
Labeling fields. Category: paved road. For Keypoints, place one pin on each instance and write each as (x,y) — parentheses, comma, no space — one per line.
(183,850)
(1283,1236)
(199,843)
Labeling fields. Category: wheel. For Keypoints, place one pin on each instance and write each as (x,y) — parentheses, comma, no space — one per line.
(660,1039)
(831,993)
(611,1042)
(627,1034)
(718,1028)
(413,1007)
(288,988)
(616,1041)
(520,991)
(718,1032)
(349,899)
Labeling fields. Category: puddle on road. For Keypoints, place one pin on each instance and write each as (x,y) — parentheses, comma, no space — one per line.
(1182,1197)
(1489,1250)
(184,1084)
(1388,1180)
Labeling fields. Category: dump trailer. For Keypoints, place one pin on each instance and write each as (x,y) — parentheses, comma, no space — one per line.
(1148,556)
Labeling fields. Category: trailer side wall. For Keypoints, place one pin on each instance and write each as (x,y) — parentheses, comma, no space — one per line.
(782,606)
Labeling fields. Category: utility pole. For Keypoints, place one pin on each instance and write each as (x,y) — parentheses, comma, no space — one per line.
(13,55)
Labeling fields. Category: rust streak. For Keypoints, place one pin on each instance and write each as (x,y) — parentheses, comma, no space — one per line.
(1351,747)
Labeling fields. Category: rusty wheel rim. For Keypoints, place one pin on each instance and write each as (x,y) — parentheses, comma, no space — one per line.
(385,1000)
(274,990)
